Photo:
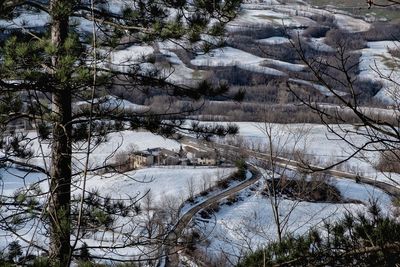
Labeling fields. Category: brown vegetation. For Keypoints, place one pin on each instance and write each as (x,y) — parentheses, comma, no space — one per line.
(389,161)
(315,190)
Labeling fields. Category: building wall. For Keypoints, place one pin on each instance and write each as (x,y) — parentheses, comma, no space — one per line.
(206,161)
(138,161)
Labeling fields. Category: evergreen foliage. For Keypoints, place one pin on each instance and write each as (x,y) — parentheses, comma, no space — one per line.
(46,70)
(14,251)
(242,167)
(355,240)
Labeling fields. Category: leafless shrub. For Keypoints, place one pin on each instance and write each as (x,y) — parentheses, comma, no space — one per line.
(337,37)
(209,211)
(389,161)
(258,31)
(186,56)
(232,199)
(304,160)
(395,52)
(190,239)
(121,158)
(316,32)
(383,31)
(317,189)
(324,19)
(191,189)
(205,185)
(396,205)
(223,183)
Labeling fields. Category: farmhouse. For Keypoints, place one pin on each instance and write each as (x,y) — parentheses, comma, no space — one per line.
(201,157)
(164,157)
(140,159)
(206,158)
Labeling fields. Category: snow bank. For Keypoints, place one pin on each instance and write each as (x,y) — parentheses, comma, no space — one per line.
(319,45)
(351,24)
(322,89)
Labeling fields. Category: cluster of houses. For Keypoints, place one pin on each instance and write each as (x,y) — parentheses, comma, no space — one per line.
(162,157)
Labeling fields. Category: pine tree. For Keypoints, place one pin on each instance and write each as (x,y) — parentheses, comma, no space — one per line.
(14,251)
(355,240)
(45,69)
(84,253)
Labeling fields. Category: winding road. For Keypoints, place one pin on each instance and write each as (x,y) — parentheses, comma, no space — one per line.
(185,219)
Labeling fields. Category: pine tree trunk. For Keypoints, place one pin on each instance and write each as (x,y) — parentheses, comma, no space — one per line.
(60,186)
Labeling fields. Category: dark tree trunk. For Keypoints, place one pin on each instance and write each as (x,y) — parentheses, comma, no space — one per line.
(60,186)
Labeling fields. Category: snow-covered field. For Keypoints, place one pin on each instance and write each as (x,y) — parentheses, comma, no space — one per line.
(12,179)
(319,45)
(161,185)
(249,223)
(161,182)
(254,211)
(322,89)
(317,142)
(111,103)
(132,54)
(253,13)
(275,40)
(27,19)
(104,153)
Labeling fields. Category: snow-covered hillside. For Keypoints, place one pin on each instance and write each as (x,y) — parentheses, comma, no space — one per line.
(258,54)
(291,16)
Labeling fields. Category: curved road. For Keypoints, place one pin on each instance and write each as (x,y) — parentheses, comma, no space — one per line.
(185,219)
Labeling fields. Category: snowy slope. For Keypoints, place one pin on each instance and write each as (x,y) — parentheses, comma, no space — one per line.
(160,182)
(27,20)
(229,56)
(275,40)
(178,72)
(376,62)
(249,224)
(111,102)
